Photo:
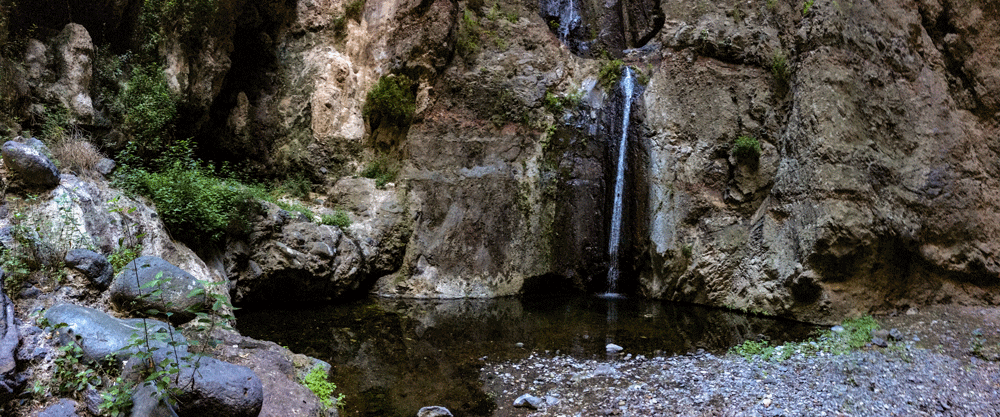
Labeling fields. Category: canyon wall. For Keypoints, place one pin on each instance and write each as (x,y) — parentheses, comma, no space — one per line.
(876,187)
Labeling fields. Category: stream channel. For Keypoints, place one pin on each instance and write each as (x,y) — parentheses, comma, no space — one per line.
(391,357)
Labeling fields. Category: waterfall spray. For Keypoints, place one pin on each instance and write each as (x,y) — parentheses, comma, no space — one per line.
(614,240)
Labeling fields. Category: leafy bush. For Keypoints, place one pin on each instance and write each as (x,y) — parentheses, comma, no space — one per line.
(390,101)
(467,43)
(747,149)
(197,206)
(149,111)
(381,170)
(610,72)
(316,381)
(339,218)
(779,67)
(295,207)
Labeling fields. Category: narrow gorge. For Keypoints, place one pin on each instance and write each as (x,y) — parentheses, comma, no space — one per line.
(813,161)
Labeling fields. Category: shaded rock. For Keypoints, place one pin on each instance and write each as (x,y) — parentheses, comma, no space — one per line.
(105,166)
(94,265)
(130,289)
(288,259)
(74,52)
(101,336)
(529,401)
(434,411)
(880,342)
(277,368)
(895,335)
(9,340)
(214,387)
(613,348)
(63,408)
(148,401)
(29,166)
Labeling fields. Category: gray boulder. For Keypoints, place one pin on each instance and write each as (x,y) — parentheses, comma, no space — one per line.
(94,265)
(208,386)
(101,336)
(292,260)
(29,166)
(63,408)
(131,289)
(215,388)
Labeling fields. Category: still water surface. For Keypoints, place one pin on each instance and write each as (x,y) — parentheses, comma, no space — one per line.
(391,357)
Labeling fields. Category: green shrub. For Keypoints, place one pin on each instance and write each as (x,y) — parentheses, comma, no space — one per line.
(316,381)
(381,170)
(855,335)
(390,101)
(747,149)
(779,67)
(610,72)
(467,42)
(297,186)
(295,207)
(353,10)
(148,111)
(339,218)
(195,204)
(806,6)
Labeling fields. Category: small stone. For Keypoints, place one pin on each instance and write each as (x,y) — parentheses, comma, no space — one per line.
(434,411)
(766,402)
(880,333)
(837,329)
(880,342)
(519,345)
(613,348)
(895,334)
(529,401)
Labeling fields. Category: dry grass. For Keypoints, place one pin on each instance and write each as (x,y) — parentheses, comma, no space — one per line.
(78,156)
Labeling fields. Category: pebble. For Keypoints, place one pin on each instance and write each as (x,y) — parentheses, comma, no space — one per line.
(613,348)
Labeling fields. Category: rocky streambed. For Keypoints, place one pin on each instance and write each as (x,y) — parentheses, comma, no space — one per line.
(913,377)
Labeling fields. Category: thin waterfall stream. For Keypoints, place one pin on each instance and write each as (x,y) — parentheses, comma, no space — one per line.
(614,240)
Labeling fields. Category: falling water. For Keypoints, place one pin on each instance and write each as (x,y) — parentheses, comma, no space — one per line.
(616,214)
(568,19)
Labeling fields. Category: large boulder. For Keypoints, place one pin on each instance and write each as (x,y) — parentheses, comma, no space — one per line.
(150,282)
(29,165)
(290,259)
(101,336)
(211,387)
(207,386)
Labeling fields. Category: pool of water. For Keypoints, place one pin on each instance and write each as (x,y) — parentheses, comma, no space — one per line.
(390,356)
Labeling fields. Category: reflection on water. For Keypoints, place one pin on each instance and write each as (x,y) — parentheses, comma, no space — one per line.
(391,356)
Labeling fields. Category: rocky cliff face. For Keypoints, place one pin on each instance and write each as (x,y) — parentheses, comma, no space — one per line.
(876,186)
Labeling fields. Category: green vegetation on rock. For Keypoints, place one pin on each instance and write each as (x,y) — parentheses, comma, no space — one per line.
(610,72)
(390,101)
(339,218)
(747,149)
(856,334)
(316,381)
(196,205)
(382,170)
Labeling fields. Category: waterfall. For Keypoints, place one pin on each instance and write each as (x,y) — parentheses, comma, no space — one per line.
(615,237)
(568,19)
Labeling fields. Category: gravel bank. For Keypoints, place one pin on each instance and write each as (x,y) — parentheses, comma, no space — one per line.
(903,380)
